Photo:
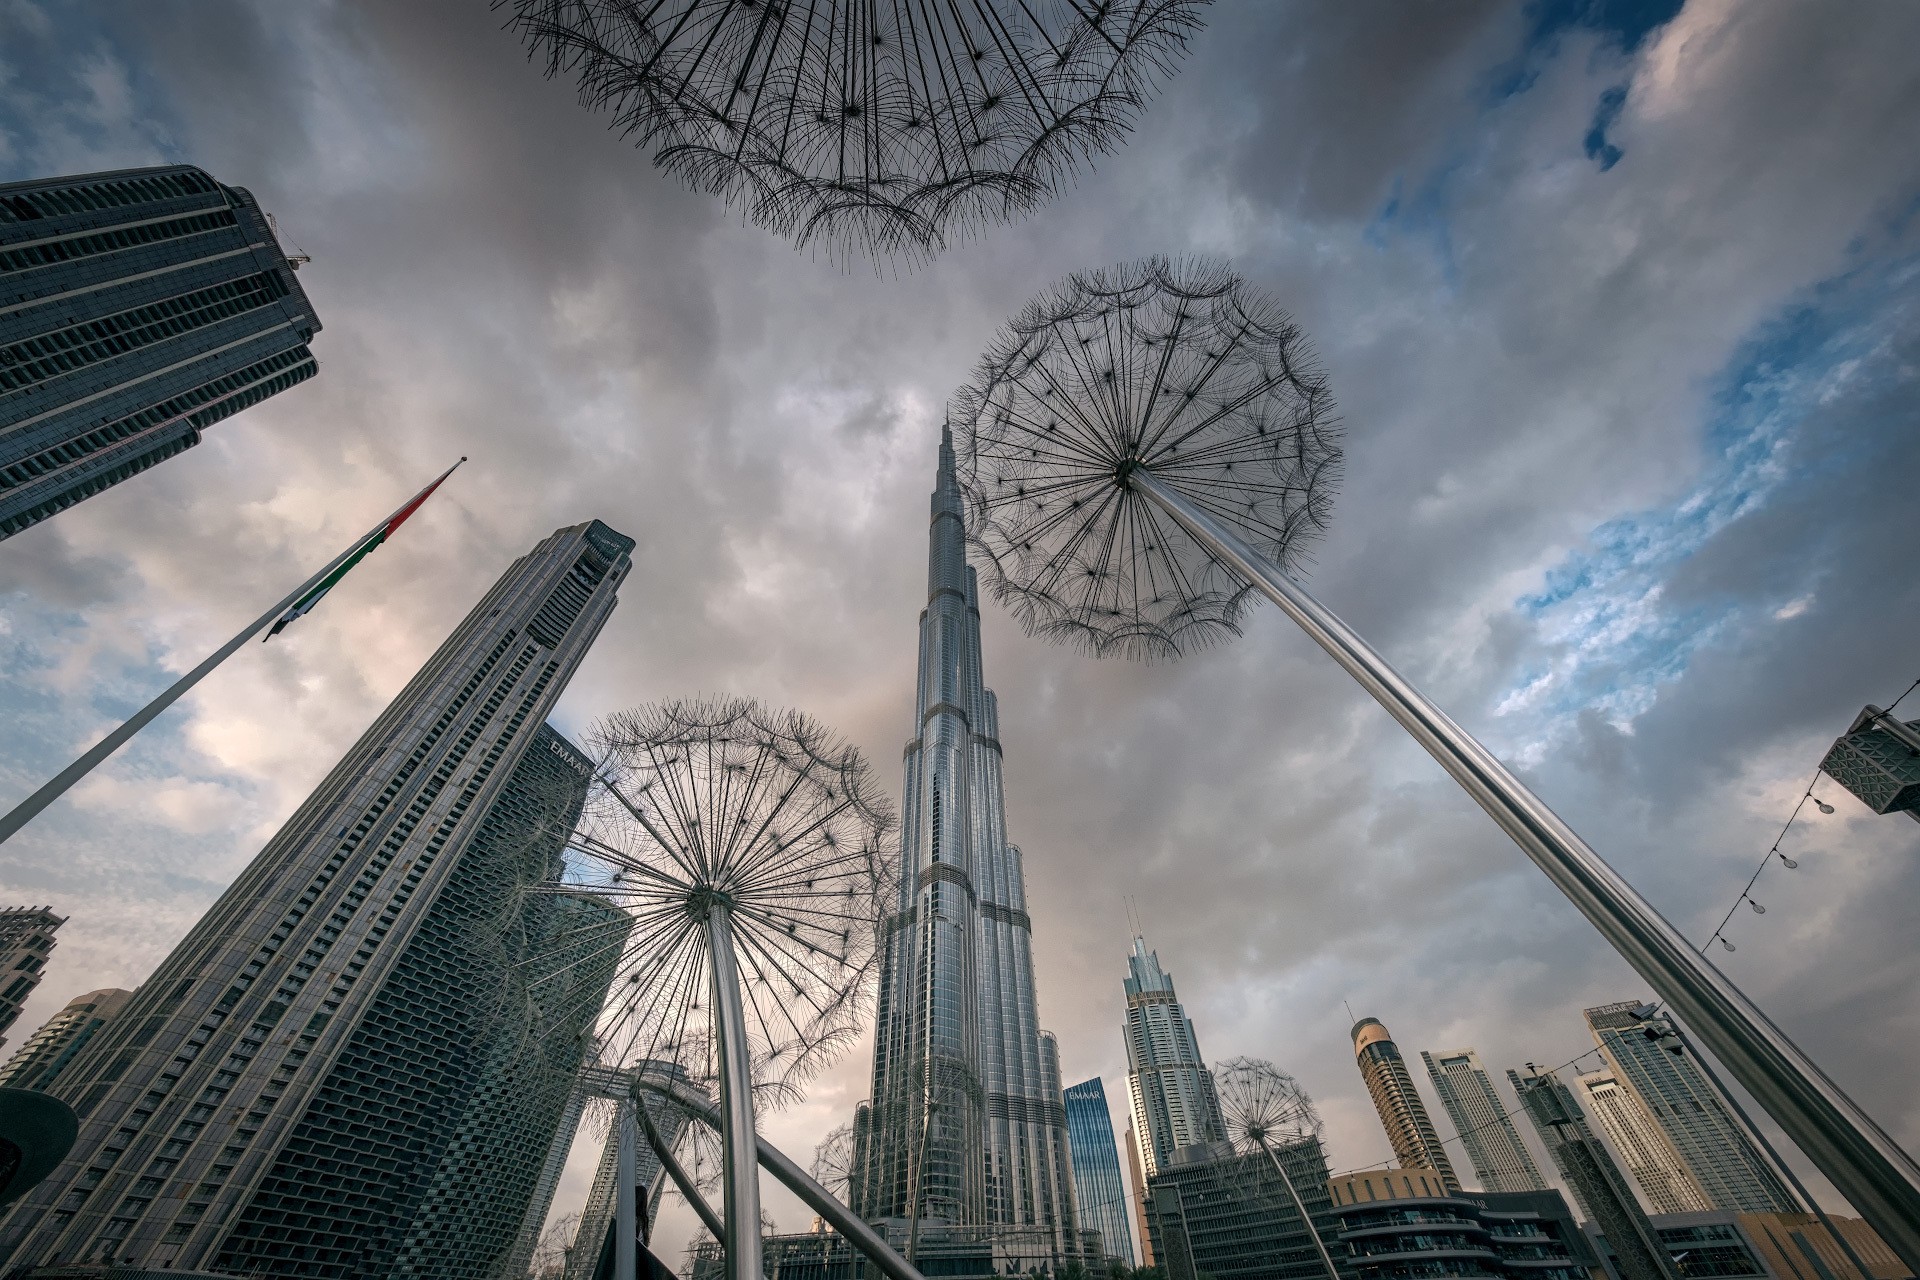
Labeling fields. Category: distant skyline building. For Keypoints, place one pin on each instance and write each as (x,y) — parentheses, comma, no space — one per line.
(137,308)
(1402,1114)
(1137,1188)
(321,1039)
(967,1123)
(1592,1175)
(1494,1147)
(1724,1162)
(26,940)
(1651,1160)
(40,1060)
(1099,1188)
(1169,1089)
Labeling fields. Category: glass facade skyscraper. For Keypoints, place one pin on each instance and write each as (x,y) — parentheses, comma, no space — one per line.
(286,1092)
(1099,1190)
(1724,1162)
(1493,1146)
(1402,1113)
(137,308)
(967,1124)
(1169,1088)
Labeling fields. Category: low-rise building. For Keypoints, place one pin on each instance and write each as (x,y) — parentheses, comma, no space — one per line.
(1215,1214)
(1403,1224)
(1727,1244)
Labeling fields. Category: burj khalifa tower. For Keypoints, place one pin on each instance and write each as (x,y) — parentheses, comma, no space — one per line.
(967,1126)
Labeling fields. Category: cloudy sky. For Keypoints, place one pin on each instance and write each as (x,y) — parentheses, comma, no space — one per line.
(1619,302)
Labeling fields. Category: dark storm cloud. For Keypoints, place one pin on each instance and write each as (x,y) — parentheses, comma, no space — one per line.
(1629,487)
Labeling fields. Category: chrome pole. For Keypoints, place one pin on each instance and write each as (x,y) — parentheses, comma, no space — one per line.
(626,1214)
(795,1179)
(737,1135)
(689,1190)
(1856,1155)
(1306,1219)
(1766,1145)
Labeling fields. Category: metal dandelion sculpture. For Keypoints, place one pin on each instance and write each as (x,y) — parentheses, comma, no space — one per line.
(873,128)
(1146,446)
(746,845)
(1266,1111)
(1173,370)
(833,1162)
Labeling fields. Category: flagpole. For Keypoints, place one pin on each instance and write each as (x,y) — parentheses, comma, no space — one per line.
(28,809)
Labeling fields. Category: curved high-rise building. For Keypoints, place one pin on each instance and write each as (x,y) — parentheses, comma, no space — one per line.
(967,1122)
(1402,1113)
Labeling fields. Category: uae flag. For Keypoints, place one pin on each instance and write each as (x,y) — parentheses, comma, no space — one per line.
(305,603)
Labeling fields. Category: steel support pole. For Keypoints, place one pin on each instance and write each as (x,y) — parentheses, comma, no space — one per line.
(1857,1156)
(1306,1219)
(739,1167)
(1786,1170)
(626,1210)
(689,1190)
(797,1180)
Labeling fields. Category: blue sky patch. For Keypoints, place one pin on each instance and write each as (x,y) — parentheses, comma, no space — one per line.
(1598,148)
(1611,639)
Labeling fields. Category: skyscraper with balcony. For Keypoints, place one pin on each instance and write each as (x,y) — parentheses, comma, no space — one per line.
(1724,1162)
(1651,1160)
(46,1053)
(1402,1113)
(281,1095)
(26,940)
(1493,1146)
(1169,1088)
(968,1126)
(1098,1187)
(137,308)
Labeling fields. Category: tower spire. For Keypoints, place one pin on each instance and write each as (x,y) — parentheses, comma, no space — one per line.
(962,1085)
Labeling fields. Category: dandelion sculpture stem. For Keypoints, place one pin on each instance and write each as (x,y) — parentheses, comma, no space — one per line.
(1146,447)
(1263,1105)
(746,846)
(877,129)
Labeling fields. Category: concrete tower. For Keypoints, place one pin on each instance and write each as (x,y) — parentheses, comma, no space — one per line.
(1493,1145)
(1169,1087)
(137,308)
(1651,1159)
(1404,1115)
(278,1098)
(968,1124)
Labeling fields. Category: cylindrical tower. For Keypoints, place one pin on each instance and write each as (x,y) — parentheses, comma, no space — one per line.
(1402,1113)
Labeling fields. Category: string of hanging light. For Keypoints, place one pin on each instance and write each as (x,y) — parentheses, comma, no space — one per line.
(1774,851)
